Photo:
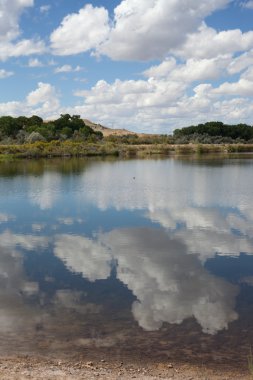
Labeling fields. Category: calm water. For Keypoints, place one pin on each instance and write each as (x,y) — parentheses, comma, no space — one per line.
(150,258)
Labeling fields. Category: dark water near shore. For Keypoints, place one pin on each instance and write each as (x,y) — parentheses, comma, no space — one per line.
(144,258)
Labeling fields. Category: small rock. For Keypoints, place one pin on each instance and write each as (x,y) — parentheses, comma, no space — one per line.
(89,364)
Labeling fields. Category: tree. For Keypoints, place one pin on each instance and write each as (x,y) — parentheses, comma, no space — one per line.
(8,126)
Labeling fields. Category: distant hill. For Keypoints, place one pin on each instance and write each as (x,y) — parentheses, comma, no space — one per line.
(108,131)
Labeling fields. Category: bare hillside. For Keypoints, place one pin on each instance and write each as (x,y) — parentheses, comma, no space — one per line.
(108,131)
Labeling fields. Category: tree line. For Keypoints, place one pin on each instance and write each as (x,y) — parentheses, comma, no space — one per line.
(215,132)
(31,129)
(24,129)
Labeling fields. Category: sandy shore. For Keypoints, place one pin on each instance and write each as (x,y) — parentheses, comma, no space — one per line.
(27,367)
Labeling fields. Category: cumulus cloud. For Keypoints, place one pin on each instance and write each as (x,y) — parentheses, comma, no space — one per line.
(81,31)
(224,42)
(10,12)
(9,15)
(35,62)
(43,101)
(241,62)
(5,74)
(45,8)
(163,27)
(241,88)
(40,95)
(192,70)
(21,48)
(167,99)
(175,92)
(67,69)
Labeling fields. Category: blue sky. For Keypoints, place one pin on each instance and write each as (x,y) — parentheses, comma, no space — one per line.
(145,65)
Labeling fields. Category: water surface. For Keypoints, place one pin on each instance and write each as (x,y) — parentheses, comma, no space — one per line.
(147,258)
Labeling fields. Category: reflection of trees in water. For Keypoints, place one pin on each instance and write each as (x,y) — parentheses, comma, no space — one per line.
(38,167)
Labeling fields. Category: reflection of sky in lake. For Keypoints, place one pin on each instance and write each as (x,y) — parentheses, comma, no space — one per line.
(156,235)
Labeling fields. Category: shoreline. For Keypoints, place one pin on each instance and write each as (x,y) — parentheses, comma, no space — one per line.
(56,149)
(84,367)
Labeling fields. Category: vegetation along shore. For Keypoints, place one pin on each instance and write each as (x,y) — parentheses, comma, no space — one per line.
(32,137)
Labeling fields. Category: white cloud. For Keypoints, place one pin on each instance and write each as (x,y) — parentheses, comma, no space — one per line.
(5,74)
(241,62)
(248,74)
(243,87)
(143,30)
(163,101)
(21,48)
(43,101)
(35,62)
(63,69)
(192,70)
(45,8)
(163,69)
(10,12)
(224,42)
(165,98)
(9,15)
(42,94)
(130,101)
(81,31)
(67,69)
(164,26)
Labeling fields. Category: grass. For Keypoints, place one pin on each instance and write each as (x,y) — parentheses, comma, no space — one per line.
(109,148)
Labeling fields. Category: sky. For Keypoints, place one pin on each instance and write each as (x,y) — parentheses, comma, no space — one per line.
(144,65)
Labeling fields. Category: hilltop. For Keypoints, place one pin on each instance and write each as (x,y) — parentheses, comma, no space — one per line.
(109,131)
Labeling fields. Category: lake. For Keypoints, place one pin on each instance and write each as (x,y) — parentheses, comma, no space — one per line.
(133,258)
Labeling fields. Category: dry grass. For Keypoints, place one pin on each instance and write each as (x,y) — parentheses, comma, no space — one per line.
(107,148)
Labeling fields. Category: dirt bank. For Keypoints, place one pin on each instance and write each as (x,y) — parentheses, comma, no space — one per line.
(26,367)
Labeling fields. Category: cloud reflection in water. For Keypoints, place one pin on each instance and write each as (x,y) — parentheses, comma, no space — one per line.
(170,284)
